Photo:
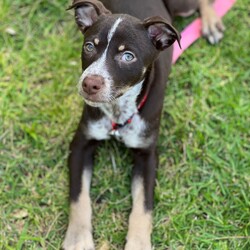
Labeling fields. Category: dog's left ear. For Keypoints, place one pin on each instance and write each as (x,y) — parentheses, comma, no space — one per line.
(87,12)
(161,32)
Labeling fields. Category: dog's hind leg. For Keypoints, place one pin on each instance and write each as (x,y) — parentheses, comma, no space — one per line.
(140,220)
(181,7)
(79,232)
(212,26)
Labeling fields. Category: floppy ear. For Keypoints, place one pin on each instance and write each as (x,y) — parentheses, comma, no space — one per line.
(161,32)
(87,12)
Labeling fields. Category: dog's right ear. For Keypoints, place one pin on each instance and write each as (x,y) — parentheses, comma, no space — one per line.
(87,12)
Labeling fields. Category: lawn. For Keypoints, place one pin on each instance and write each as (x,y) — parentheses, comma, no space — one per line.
(202,198)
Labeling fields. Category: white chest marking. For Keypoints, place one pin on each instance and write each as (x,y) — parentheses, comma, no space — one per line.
(124,107)
(132,134)
(99,130)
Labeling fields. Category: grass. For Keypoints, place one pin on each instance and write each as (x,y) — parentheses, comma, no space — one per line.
(202,198)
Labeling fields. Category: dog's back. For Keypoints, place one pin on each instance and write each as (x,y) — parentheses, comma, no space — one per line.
(137,8)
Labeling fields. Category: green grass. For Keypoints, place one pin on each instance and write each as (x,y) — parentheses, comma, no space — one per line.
(202,196)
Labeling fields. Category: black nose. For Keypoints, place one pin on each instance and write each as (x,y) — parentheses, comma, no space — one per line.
(92,84)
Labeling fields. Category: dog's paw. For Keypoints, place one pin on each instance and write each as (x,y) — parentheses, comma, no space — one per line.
(138,244)
(78,240)
(212,26)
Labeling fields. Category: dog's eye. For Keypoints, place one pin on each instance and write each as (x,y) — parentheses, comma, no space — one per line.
(89,47)
(128,56)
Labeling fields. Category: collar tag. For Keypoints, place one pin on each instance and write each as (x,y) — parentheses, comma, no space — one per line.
(115,132)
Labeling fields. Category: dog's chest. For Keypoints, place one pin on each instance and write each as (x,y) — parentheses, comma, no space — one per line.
(124,115)
(132,134)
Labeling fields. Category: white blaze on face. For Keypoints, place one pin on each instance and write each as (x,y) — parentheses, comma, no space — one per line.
(99,67)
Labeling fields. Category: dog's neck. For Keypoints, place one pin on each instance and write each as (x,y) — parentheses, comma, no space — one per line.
(120,110)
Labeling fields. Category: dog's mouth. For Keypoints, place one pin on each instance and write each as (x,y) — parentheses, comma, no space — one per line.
(94,104)
(97,90)
(101,98)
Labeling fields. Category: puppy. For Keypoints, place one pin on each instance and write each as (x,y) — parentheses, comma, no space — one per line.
(126,59)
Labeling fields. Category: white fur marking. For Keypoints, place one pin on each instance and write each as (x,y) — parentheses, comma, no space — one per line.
(124,106)
(99,129)
(133,134)
(113,29)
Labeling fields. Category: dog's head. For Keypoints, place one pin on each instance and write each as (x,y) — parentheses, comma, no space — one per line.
(117,50)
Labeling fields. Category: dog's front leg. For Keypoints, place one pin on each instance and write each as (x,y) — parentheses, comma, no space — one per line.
(79,232)
(143,182)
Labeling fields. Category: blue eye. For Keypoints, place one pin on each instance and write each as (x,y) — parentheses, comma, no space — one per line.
(89,47)
(128,56)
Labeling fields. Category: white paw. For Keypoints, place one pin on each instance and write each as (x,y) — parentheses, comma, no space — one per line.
(212,26)
(138,244)
(78,239)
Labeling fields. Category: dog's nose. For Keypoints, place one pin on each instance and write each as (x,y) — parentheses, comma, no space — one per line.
(92,84)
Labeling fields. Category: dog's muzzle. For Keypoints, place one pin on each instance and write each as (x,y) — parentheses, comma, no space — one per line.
(92,84)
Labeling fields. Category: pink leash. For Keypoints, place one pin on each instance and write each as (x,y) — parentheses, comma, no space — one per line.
(193,31)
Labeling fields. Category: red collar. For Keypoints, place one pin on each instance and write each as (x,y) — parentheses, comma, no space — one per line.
(116,126)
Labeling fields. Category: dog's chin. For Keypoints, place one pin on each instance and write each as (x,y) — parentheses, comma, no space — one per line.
(92,101)
(98,102)
(94,104)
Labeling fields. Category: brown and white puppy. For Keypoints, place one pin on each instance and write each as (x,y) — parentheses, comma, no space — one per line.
(126,59)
